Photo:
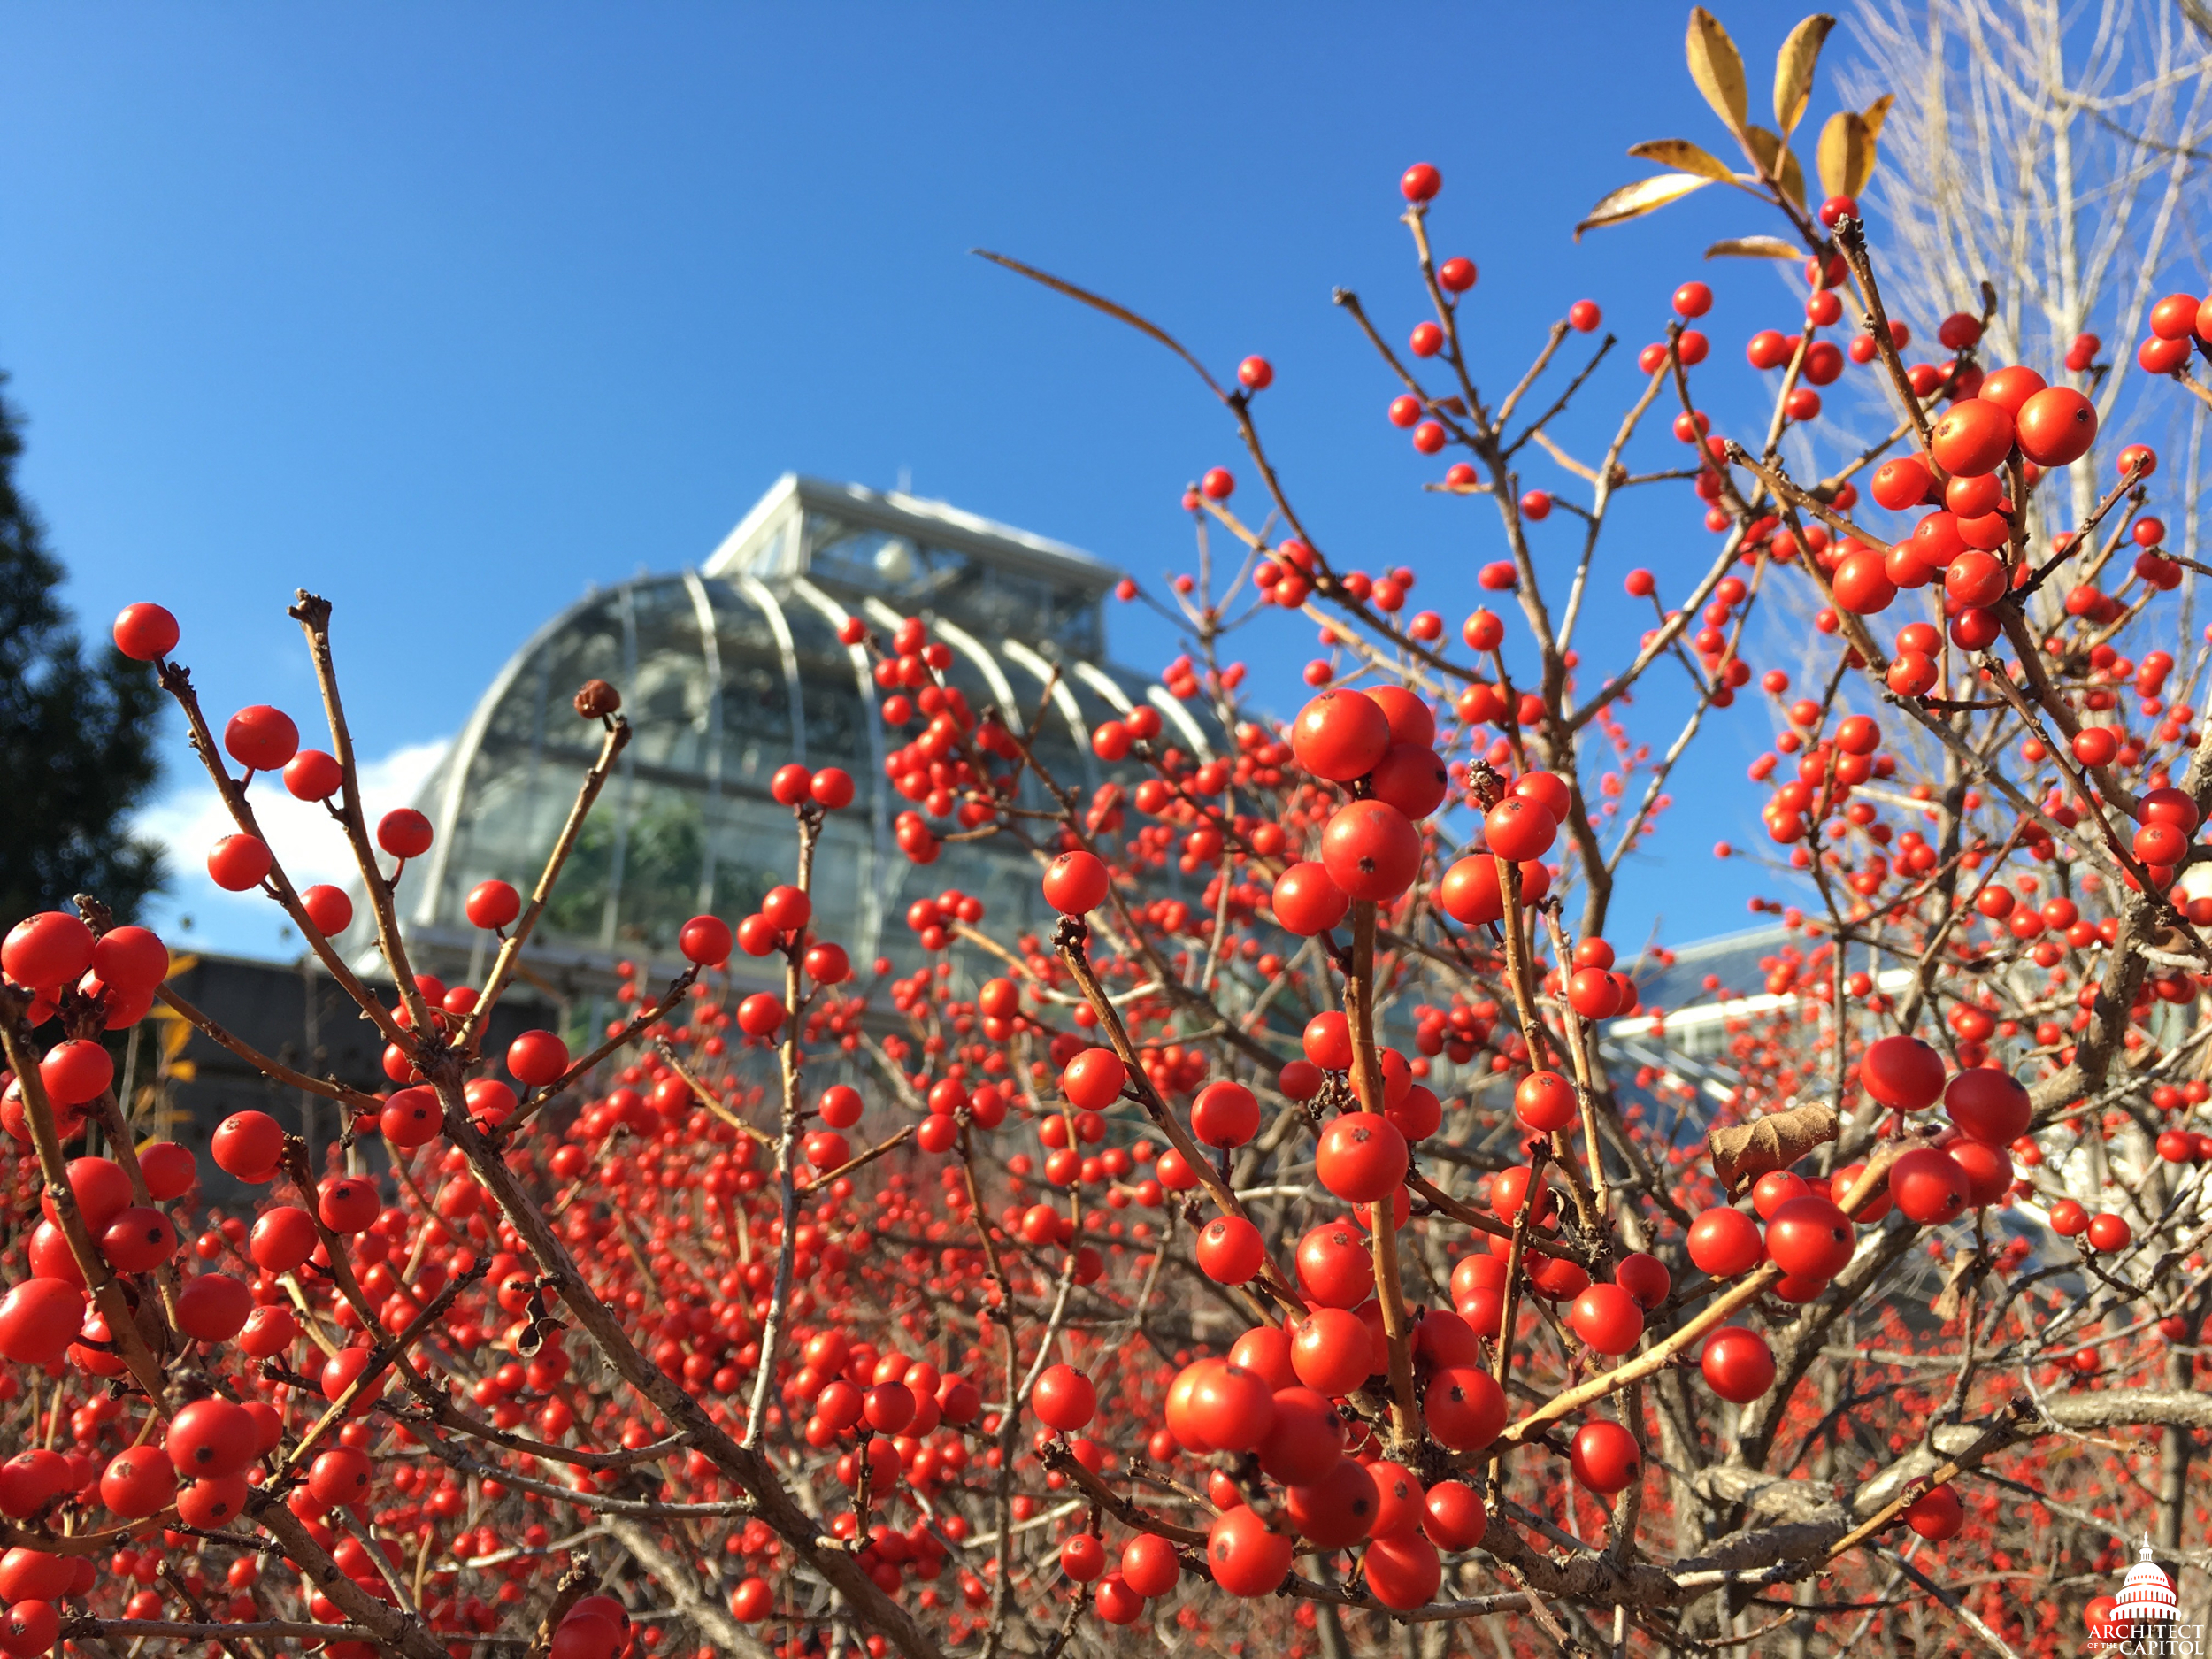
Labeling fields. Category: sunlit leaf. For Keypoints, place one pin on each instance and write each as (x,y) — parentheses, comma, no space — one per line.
(1646,196)
(1682,155)
(1877,112)
(1717,68)
(1794,71)
(1779,162)
(1754,248)
(1846,155)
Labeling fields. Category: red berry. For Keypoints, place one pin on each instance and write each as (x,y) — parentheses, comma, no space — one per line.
(145,632)
(1361,1158)
(1306,901)
(536,1058)
(1604,1458)
(1903,1072)
(1076,883)
(1608,1318)
(1064,1398)
(238,863)
(1725,1243)
(1738,1365)
(312,775)
(1340,735)
(492,905)
(1225,1114)
(261,739)
(403,833)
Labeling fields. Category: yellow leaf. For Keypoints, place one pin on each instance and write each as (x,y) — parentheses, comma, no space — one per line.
(1754,248)
(1779,161)
(1793,178)
(181,1070)
(1717,68)
(1681,154)
(174,1039)
(1794,71)
(179,965)
(1877,112)
(1846,154)
(1646,196)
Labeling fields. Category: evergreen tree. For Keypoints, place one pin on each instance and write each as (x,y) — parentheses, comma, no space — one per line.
(76,737)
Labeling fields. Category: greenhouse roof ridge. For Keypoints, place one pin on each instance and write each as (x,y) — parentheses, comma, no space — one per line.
(936,522)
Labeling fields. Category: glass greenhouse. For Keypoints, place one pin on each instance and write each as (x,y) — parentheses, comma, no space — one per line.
(727,673)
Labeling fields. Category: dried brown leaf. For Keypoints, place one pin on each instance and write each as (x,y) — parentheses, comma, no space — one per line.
(1717,68)
(1741,1153)
(1793,70)
(1681,154)
(1646,196)
(1952,1297)
(1754,248)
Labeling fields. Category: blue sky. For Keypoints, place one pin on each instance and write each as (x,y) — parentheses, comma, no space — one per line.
(449,313)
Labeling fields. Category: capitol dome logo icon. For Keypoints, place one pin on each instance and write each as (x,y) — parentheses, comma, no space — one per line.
(2142,1622)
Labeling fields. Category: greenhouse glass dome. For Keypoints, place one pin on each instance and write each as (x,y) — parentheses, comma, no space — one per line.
(727,671)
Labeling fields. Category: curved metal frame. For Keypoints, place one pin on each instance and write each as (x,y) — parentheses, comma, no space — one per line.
(711,595)
(1168,704)
(986,664)
(878,788)
(779,625)
(711,646)
(1063,700)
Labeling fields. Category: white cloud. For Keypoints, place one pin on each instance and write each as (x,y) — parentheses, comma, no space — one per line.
(191,819)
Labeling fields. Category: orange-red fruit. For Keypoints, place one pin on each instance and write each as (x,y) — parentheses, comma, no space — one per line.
(1520,828)
(1076,883)
(1973,437)
(1937,1515)
(1465,1407)
(1809,1238)
(1148,1564)
(1927,1185)
(1607,1318)
(1903,1072)
(1545,1102)
(1338,1510)
(1604,1458)
(2057,425)
(1245,1558)
(1403,1570)
(1304,1441)
(1361,1158)
(1371,850)
(1307,901)
(1332,1351)
(1340,735)
(1738,1364)
(1726,1242)
(1064,1398)
(1988,1106)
